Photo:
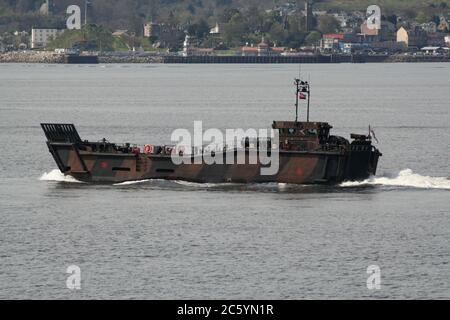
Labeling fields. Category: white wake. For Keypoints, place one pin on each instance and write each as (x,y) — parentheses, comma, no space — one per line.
(129,183)
(202,185)
(58,176)
(405,178)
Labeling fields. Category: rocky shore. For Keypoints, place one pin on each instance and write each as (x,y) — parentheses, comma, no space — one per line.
(112,57)
(410,58)
(31,57)
(51,57)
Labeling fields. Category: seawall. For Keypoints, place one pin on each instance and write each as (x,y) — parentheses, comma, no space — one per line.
(51,57)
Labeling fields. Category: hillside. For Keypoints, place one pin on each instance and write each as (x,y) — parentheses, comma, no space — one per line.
(130,14)
(241,21)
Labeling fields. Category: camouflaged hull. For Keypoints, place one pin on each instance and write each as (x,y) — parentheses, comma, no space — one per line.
(108,163)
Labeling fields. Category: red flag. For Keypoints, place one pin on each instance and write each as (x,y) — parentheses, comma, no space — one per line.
(302,96)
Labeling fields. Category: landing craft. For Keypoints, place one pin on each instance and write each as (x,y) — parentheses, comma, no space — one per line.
(306,154)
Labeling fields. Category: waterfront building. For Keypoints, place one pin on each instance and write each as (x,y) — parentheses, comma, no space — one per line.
(248,51)
(415,37)
(330,42)
(152,29)
(333,42)
(385,33)
(443,26)
(432,51)
(261,50)
(40,38)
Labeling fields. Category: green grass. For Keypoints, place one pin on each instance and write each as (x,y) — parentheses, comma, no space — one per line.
(100,38)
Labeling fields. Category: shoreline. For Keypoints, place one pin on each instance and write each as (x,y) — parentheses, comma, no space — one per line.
(111,58)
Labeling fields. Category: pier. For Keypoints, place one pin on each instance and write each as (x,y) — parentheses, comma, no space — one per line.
(80,59)
(277,59)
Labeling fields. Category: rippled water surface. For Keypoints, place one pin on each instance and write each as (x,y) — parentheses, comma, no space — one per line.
(158,239)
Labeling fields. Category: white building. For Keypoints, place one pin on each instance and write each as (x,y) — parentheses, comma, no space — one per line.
(40,38)
(433,50)
(215,30)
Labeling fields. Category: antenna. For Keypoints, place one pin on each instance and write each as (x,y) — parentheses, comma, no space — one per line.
(297,92)
(303,88)
(309,96)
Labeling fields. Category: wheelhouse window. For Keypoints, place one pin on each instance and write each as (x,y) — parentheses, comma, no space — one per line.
(286,131)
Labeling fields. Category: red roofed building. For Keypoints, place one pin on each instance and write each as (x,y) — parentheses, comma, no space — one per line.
(339,36)
(331,42)
(261,50)
(248,51)
(369,34)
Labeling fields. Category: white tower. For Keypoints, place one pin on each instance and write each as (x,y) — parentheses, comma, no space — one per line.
(187,46)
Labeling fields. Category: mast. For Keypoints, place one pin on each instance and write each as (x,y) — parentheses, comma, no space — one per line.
(309,98)
(302,87)
(297,83)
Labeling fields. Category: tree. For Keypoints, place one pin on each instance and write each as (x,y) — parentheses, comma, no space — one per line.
(296,23)
(235,29)
(24,5)
(313,37)
(327,24)
(199,30)
(295,40)
(229,13)
(392,19)
(421,17)
(277,34)
(255,19)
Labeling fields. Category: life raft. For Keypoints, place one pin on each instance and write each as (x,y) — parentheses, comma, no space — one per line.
(148,149)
